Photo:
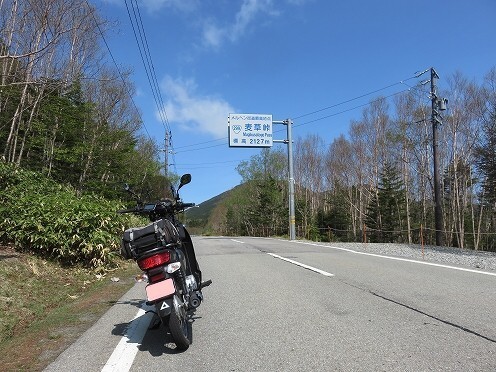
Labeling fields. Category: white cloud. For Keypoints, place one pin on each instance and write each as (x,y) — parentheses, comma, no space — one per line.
(248,12)
(194,112)
(214,36)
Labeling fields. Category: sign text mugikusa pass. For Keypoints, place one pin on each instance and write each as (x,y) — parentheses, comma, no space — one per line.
(250,130)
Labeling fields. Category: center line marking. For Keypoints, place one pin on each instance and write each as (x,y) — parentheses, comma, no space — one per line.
(325,273)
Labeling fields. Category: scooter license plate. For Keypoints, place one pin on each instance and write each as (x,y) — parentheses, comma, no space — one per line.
(159,290)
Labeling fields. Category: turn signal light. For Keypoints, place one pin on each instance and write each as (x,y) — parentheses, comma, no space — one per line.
(154,261)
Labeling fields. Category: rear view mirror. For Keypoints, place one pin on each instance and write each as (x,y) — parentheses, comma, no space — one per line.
(185,179)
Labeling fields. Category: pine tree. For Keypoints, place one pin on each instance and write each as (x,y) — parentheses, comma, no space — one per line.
(386,210)
(486,164)
(486,158)
(268,208)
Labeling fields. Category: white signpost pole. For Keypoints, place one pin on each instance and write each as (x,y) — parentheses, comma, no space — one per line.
(292,218)
(291,182)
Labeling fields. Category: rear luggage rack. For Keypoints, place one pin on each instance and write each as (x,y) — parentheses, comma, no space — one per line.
(158,234)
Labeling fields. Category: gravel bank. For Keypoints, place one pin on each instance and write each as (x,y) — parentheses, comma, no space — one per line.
(444,255)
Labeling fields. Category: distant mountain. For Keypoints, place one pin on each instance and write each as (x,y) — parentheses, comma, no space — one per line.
(203,211)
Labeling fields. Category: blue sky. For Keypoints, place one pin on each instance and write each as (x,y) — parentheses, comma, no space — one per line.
(287,58)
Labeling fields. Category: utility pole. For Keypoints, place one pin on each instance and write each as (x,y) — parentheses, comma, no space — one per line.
(437,105)
(166,150)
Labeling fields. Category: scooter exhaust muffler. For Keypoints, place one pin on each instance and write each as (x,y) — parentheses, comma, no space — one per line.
(194,301)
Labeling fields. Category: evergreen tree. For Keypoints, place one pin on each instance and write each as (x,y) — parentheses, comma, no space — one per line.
(386,210)
(56,141)
(486,158)
(336,218)
(486,163)
(267,209)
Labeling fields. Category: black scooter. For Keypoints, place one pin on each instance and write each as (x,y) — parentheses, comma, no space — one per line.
(164,251)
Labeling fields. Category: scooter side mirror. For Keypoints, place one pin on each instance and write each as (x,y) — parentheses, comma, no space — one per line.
(185,179)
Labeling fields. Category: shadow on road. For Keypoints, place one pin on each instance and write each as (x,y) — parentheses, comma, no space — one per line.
(158,340)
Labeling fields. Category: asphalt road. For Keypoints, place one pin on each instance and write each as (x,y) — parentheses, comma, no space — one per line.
(341,311)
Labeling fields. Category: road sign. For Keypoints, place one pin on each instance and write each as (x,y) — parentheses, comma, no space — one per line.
(250,130)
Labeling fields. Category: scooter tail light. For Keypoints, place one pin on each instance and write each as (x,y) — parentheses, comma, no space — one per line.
(157,277)
(154,261)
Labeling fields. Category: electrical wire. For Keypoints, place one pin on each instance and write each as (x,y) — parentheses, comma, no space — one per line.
(144,52)
(401,82)
(211,162)
(351,109)
(162,109)
(203,148)
(201,143)
(117,68)
(354,99)
(150,72)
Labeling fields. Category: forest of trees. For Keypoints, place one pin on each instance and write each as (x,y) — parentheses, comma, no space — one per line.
(376,182)
(63,111)
(66,114)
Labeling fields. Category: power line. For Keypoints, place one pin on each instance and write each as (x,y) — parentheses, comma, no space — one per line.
(354,99)
(117,67)
(351,109)
(201,143)
(211,162)
(202,148)
(401,82)
(146,58)
(206,166)
(144,52)
(163,112)
(150,71)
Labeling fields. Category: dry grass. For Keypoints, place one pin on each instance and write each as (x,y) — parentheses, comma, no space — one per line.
(44,307)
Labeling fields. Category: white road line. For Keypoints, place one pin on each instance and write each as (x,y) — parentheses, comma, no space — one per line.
(325,273)
(123,356)
(237,241)
(402,259)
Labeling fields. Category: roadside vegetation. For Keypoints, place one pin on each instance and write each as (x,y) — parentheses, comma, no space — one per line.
(52,221)
(58,253)
(44,306)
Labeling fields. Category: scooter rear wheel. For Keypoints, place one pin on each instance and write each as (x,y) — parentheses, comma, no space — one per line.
(180,328)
